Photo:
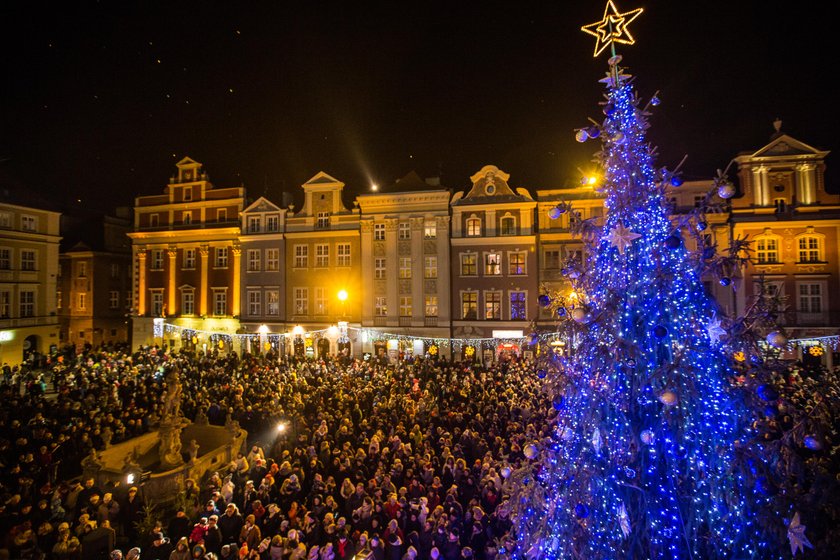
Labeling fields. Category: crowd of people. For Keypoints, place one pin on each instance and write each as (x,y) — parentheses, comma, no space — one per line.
(378,460)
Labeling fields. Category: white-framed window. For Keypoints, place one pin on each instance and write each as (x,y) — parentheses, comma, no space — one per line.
(551,259)
(492,264)
(254,264)
(518,308)
(272,223)
(469,305)
(272,302)
(378,232)
(115,270)
(301,301)
(157,259)
(301,256)
(221,215)
(343,254)
(575,254)
(188,301)
(405,306)
(189,259)
(5,303)
(28,223)
(27,303)
(810,296)
(5,258)
(254,303)
(156,302)
(321,301)
(221,260)
(187,194)
(28,259)
(469,264)
(322,255)
(81,301)
(492,305)
(516,263)
(154,220)
(323,220)
(380,306)
(81,269)
(219,302)
(431,305)
(404,230)
(430,268)
(474,227)
(507,225)
(114,299)
(254,224)
(272,259)
(405,267)
(430,229)
(379,268)
(767,250)
(810,248)
(186,217)
(5,220)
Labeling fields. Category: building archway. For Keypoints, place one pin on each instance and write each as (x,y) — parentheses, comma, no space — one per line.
(31,346)
(323,347)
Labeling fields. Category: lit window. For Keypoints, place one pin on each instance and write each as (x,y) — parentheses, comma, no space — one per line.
(492,264)
(81,301)
(810,249)
(492,305)
(469,305)
(405,267)
(430,230)
(516,264)
(517,306)
(430,267)
(343,254)
(469,264)
(272,302)
(473,227)
(379,232)
(379,268)
(767,250)
(380,306)
(405,306)
(187,218)
(431,306)
(58,300)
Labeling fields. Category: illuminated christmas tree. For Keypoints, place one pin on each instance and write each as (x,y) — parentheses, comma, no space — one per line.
(649,454)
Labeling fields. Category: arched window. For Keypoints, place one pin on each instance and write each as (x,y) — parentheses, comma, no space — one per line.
(473,227)
(507,225)
(767,249)
(810,248)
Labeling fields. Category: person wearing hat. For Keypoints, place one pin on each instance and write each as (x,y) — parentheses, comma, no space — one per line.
(160,548)
(179,526)
(213,536)
(345,549)
(181,550)
(133,554)
(394,547)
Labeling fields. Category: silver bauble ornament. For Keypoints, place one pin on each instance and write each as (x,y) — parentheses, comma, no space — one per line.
(776,339)
(581,135)
(530,451)
(726,190)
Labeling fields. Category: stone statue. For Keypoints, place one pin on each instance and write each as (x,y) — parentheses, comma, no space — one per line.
(107,435)
(93,462)
(201,418)
(132,460)
(193,450)
(171,423)
(172,397)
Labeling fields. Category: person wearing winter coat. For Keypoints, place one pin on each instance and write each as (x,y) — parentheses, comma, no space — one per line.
(250,533)
(181,550)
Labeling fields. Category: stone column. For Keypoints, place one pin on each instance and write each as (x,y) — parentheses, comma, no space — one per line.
(140,286)
(171,290)
(204,252)
(235,297)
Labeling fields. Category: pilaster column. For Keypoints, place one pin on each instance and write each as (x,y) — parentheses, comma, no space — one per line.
(204,253)
(237,274)
(140,286)
(171,290)
(392,258)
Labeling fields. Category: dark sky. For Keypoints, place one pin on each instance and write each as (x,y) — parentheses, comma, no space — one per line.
(100,99)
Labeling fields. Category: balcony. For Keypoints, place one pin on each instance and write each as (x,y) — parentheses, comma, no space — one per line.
(18,322)
(405,321)
(380,320)
(430,322)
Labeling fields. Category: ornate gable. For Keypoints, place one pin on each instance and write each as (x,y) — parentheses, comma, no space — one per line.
(786,145)
(260,205)
(489,182)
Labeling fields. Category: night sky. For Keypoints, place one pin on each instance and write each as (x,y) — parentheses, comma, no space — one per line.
(100,99)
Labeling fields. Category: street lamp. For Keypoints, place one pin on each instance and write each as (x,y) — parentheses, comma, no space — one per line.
(342,297)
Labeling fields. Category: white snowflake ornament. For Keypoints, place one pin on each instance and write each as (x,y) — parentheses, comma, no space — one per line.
(620,237)
(796,536)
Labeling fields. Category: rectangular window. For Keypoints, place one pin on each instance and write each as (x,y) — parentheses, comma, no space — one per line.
(431,306)
(5,220)
(156,301)
(405,267)
(81,301)
(188,302)
(157,259)
(767,250)
(272,302)
(219,302)
(221,257)
(493,305)
(473,227)
(187,194)
(272,260)
(323,220)
(115,270)
(29,223)
(343,254)
(492,264)
(810,297)
(405,306)
(322,255)
(551,260)
(378,232)
(469,305)
(430,230)
(301,256)
(254,304)
(516,263)
(5,303)
(379,268)
(321,302)
(809,249)
(380,306)
(186,218)
(154,220)
(5,258)
(189,259)
(272,223)
(58,300)
(254,263)
(517,306)
(81,269)
(254,224)
(469,264)
(430,267)
(508,225)
(221,215)
(405,230)
(27,260)
(27,303)
(114,299)
(301,301)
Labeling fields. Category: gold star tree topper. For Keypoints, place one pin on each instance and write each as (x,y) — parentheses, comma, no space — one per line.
(612,28)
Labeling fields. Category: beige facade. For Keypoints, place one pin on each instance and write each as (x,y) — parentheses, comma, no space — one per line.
(29,240)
